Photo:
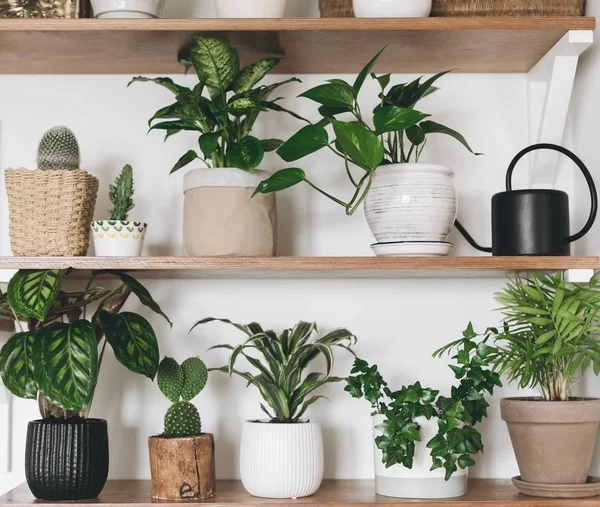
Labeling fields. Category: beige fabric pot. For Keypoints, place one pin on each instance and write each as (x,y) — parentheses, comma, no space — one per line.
(553,440)
(220,218)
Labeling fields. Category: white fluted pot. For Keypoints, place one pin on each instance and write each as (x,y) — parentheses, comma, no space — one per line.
(411,202)
(281,460)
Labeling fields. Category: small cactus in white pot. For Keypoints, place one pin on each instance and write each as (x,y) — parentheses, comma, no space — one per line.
(118,236)
(182,459)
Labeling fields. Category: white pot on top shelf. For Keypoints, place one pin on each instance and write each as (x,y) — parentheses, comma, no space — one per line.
(251,8)
(128,8)
(392,8)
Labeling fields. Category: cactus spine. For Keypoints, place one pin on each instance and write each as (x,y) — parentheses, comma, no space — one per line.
(58,150)
(180,384)
(121,194)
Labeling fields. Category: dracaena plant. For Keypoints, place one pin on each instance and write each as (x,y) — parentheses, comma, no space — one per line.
(56,356)
(398,133)
(549,333)
(222,108)
(457,440)
(280,362)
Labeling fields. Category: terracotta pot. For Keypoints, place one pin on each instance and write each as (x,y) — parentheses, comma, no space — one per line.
(182,468)
(553,440)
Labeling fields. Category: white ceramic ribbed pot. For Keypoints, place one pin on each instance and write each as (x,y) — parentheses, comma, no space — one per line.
(411,203)
(128,8)
(281,460)
(118,238)
(251,8)
(392,8)
(417,482)
(221,218)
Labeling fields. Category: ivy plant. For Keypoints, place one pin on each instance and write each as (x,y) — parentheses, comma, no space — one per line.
(57,356)
(222,108)
(398,133)
(280,361)
(457,440)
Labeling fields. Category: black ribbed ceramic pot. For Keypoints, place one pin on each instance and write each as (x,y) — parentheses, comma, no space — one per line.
(66,459)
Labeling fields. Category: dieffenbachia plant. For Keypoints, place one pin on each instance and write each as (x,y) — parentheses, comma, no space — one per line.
(457,440)
(281,362)
(56,358)
(398,134)
(225,118)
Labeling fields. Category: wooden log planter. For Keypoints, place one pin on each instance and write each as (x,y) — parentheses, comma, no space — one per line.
(182,468)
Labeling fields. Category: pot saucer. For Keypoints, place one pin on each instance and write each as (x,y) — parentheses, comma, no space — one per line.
(412,249)
(590,488)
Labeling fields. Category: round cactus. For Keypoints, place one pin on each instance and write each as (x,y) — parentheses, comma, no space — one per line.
(170,379)
(182,420)
(195,377)
(58,150)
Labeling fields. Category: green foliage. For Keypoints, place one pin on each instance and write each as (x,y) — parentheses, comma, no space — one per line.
(398,135)
(457,439)
(224,119)
(58,150)
(58,358)
(279,375)
(180,384)
(549,333)
(121,194)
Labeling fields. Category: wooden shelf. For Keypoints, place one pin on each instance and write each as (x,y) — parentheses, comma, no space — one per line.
(138,46)
(334,493)
(307,267)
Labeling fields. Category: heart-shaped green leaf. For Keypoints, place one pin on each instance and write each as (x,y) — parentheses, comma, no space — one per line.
(360,145)
(281,180)
(331,95)
(304,142)
(31,293)
(393,119)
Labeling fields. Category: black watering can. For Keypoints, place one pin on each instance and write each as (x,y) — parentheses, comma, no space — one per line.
(534,222)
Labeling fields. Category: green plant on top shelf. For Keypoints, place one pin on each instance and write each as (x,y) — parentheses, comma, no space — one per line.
(549,333)
(457,440)
(121,194)
(57,358)
(398,135)
(181,383)
(282,361)
(225,118)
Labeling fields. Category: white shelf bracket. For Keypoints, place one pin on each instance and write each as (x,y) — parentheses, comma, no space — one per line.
(550,86)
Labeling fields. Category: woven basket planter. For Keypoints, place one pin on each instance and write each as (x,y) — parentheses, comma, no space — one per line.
(50,211)
(336,8)
(508,8)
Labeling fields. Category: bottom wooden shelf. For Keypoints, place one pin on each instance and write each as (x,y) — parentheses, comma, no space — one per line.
(333,493)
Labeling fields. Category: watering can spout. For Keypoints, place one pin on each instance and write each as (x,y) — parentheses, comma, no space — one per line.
(470,239)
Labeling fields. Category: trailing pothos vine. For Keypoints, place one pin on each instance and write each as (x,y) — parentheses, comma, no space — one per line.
(457,440)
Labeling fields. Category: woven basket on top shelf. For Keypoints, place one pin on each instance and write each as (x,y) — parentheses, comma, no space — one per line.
(50,211)
(336,8)
(508,8)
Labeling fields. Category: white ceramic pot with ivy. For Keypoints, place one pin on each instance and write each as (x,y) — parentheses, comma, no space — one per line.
(251,8)
(118,236)
(392,8)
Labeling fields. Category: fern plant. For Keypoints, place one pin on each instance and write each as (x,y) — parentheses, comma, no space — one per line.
(121,194)
(280,371)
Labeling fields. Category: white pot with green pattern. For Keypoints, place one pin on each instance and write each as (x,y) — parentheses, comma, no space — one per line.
(118,238)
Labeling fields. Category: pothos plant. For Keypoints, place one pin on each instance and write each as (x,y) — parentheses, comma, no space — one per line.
(457,440)
(224,119)
(281,363)
(56,356)
(398,134)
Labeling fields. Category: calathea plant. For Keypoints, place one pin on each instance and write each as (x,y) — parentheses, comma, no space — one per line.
(57,358)
(457,440)
(281,365)
(398,135)
(224,118)
(121,195)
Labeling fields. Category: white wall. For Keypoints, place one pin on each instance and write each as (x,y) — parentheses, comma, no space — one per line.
(399,322)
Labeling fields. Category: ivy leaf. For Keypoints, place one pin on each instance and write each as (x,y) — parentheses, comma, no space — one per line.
(307,140)
(394,119)
(431,127)
(331,95)
(360,145)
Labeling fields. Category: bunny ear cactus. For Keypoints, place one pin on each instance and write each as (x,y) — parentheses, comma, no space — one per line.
(58,150)
(180,384)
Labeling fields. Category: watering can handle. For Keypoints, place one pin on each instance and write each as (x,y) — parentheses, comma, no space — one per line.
(582,168)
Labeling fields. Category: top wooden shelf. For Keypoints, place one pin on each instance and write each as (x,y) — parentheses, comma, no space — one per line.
(333,493)
(306,45)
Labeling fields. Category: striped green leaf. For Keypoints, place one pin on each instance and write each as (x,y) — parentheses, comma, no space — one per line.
(133,341)
(31,293)
(66,364)
(16,365)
